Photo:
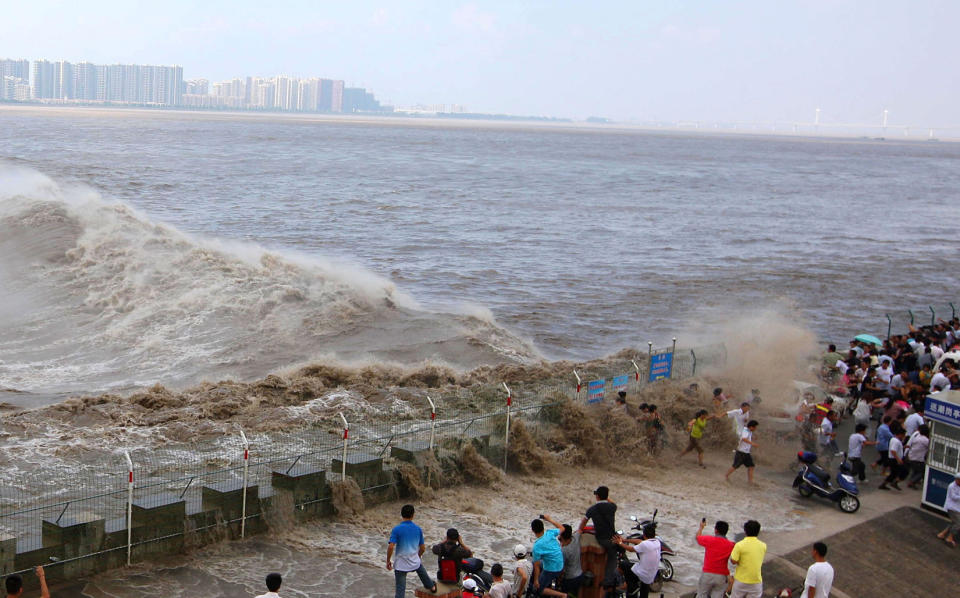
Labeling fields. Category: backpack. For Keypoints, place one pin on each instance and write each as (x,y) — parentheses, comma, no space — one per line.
(449,572)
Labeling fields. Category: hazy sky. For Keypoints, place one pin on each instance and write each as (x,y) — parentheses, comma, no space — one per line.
(649,60)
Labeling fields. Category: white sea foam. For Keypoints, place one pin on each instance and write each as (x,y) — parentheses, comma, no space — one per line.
(96,295)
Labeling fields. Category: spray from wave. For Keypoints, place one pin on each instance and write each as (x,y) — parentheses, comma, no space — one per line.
(96,296)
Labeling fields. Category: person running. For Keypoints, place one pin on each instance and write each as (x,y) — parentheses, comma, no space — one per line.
(695,427)
(713,577)
(603,513)
(739,416)
(747,555)
(883,444)
(896,460)
(855,445)
(523,572)
(819,578)
(14,584)
(547,557)
(828,438)
(742,455)
(406,539)
(273,581)
(500,588)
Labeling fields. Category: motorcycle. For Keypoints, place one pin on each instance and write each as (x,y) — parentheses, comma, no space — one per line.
(473,569)
(812,479)
(665,572)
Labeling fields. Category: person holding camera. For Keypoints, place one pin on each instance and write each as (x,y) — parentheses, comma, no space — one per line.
(450,554)
(547,557)
(713,578)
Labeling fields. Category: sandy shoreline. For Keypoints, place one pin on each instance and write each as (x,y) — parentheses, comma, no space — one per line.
(446,123)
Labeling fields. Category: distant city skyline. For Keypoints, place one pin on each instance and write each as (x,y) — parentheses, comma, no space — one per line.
(63,81)
(688,60)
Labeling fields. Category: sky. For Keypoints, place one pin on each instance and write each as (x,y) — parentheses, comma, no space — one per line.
(642,60)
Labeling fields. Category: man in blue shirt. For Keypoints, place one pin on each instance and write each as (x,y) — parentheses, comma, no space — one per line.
(883,443)
(406,540)
(547,558)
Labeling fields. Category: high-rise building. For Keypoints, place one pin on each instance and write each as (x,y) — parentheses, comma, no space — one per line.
(44,79)
(19,69)
(85,81)
(336,101)
(63,80)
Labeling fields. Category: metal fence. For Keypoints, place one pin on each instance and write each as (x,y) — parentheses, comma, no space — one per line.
(65,493)
(899,321)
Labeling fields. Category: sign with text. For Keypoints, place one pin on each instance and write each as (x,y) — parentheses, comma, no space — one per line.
(595,390)
(620,383)
(661,365)
(935,492)
(942,411)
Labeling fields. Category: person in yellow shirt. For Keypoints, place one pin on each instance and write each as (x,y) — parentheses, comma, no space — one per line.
(748,556)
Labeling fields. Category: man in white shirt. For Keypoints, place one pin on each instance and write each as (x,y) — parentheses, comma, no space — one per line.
(742,455)
(913,421)
(897,465)
(918,445)
(273,586)
(855,451)
(952,507)
(819,579)
(828,438)
(648,558)
(740,417)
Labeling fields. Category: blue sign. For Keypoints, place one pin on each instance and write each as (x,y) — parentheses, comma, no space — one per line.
(595,390)
(942,411)
(620,382)
(937,483)
(661,365)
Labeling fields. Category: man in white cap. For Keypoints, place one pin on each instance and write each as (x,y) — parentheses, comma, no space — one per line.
(523,572)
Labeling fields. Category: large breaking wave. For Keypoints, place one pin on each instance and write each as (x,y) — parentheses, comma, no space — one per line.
(95,296)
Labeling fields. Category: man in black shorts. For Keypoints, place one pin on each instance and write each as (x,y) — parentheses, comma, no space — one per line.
(742,455)
(603,513)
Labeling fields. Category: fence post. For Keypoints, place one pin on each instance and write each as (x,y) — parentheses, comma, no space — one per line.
(506,439)
(889,324)
(346,434)
(246,463)
(953,311)
(637,375)
(649,357)
(129,505)
(933,316)
(433,421)
(579,383)
(694,356)
(910,311)
(673,355)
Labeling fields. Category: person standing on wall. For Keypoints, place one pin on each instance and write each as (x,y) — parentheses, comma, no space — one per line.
(406,540)
(603,514)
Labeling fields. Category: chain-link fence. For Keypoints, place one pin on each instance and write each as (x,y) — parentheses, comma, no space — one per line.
(124,506)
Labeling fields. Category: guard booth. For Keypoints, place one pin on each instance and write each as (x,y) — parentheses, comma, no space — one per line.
(942,411)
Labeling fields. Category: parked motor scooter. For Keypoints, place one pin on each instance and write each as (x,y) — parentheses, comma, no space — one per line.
(812,479)
(473,569)
(666,567)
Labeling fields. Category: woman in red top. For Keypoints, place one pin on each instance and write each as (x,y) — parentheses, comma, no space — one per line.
(713,580)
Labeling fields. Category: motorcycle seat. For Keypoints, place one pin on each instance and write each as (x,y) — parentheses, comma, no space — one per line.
(821,474)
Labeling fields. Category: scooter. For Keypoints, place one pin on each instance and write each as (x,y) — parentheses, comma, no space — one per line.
(666,567)
(812,479)
(473,569)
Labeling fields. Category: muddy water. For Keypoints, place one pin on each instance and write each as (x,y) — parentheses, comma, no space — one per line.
(327,558)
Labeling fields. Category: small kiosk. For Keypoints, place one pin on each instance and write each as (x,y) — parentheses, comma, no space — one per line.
(942,411)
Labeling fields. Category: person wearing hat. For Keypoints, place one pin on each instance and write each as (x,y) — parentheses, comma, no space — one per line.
(952,507)
(470,589)
(523,572)
(603,514)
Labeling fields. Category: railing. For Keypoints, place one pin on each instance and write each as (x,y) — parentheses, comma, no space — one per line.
(107,492)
